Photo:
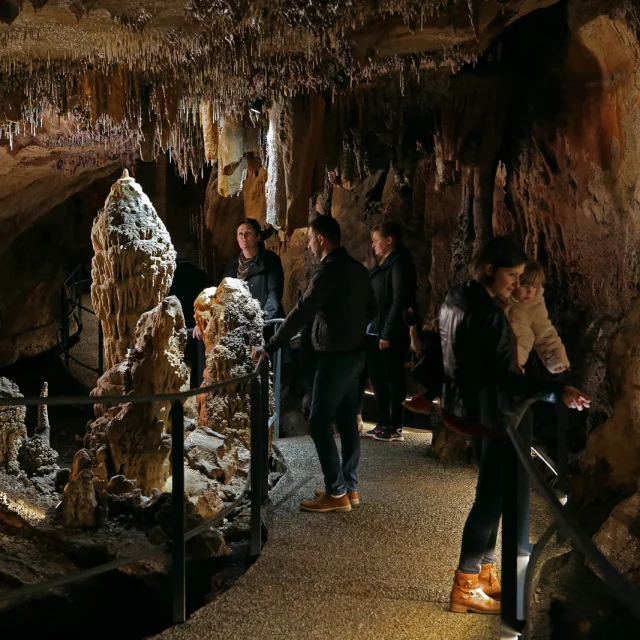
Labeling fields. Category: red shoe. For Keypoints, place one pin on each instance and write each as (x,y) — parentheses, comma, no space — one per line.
(419,404)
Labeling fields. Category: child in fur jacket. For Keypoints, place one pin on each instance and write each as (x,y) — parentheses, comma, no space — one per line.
(530,322)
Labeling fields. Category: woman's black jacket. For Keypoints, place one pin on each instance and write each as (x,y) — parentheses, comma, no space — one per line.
(483,383)
(394,287)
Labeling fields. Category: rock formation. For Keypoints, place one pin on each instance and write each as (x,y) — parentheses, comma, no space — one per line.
(231,323)
(13,432)
(134,439)
(133,265)
(37,457)
(619,538)
(79,503)
(612,456)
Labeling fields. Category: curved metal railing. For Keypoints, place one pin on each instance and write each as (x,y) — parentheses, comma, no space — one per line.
(519,559)
(256,484)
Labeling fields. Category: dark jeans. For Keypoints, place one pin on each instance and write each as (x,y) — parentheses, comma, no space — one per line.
(336,396)
(481,528)
(386,371)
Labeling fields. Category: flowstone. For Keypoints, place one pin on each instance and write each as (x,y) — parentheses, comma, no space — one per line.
(12,428)
(134,439)
(133,265)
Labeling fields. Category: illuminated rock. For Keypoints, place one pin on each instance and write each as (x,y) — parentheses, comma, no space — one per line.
(133,265)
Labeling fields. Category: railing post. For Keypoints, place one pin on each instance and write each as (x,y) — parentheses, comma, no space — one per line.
(200,362)
(100,348)
(178,570)
(264,430)
(64,313)
(277,376)
(515,551)
(256,471)
(77,295)
(562,482)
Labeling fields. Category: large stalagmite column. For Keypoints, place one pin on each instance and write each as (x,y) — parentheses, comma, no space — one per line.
(133,265)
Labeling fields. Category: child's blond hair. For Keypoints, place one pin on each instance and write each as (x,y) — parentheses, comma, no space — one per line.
(533,276)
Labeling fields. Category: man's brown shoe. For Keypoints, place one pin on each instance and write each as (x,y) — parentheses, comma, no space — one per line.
(467,595)
(326,503)
(354,499)
(488,580)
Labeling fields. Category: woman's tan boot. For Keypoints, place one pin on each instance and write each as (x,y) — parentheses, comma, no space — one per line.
(489,582)
(467,595)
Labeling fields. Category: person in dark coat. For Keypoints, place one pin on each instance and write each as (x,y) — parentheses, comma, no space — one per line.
(393,280)
(483,386)
(339,303)
(260,268)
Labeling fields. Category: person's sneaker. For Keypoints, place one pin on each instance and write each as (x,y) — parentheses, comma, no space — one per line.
(389,435)
(326,503)
(419,404)
(354,499)
(372,432)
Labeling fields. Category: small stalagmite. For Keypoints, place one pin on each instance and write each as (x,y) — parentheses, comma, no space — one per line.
(37,457)
(44,429)
(133,265)
(231,322)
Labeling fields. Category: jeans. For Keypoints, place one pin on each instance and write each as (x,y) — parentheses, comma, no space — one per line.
(386,370)
(336,396)
(481,528)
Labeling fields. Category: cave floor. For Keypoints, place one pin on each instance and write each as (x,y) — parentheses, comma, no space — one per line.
(381,571)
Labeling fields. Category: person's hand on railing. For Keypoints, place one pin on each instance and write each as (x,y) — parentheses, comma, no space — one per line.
(575,399)
(256,352)
(197,334)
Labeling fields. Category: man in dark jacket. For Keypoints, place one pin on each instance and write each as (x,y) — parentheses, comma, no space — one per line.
(340,302)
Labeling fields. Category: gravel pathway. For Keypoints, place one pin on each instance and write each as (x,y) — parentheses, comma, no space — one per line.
(381,571)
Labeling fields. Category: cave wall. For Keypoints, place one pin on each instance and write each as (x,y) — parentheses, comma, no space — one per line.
(35,264)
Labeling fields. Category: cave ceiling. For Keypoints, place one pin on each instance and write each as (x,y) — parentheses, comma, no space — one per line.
(165,56)
(88,84)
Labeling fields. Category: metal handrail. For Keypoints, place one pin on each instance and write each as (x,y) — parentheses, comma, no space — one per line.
(256,483)
(517,596)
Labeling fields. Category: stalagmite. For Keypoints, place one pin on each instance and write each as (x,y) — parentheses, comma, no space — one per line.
(79,503)
(43,429)
(231,323)
(134,439)
(133,265)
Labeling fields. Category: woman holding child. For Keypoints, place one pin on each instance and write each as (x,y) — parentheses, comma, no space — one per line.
(483,385)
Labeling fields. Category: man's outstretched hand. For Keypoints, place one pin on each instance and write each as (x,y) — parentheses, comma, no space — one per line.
(575,399)
(256,352)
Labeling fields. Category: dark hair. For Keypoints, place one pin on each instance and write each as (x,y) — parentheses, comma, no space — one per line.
(328,227)
(252,222)
(389,229)
(501,252)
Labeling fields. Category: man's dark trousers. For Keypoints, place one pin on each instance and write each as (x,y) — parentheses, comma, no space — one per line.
(336,396)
